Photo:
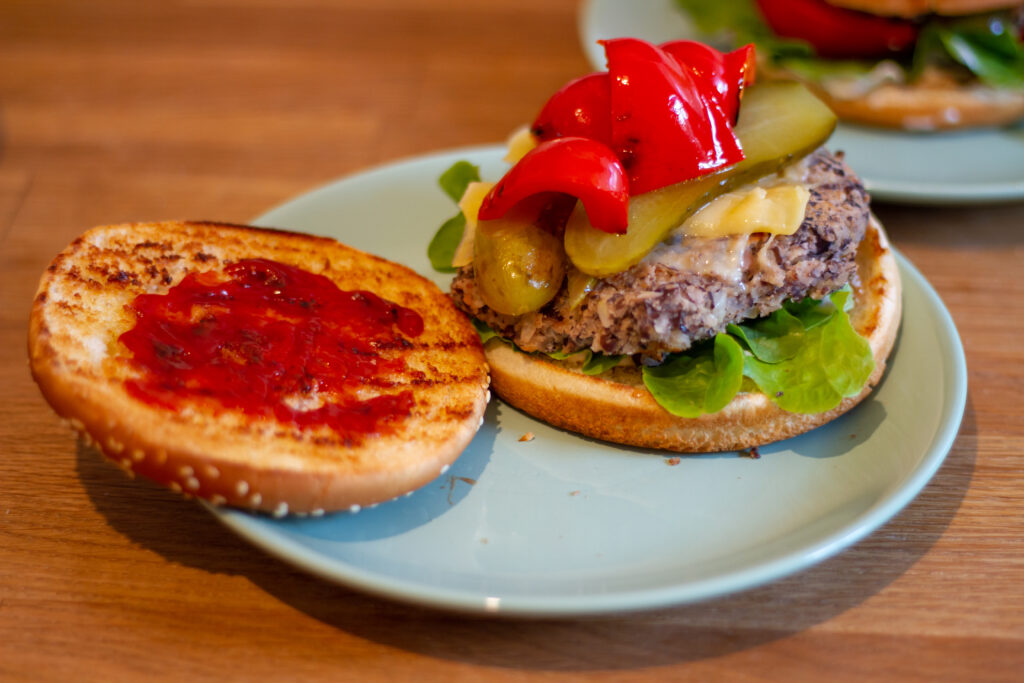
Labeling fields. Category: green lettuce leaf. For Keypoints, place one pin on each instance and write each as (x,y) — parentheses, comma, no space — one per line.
(995,58)
(774,338)
(593,363)
(457,178)
(834,362)
(702,381)
(441,249)
(598,363)
(484,330)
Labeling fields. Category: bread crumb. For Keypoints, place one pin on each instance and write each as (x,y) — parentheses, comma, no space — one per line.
(574,493)
(528,436)
(751,453)
(672,462)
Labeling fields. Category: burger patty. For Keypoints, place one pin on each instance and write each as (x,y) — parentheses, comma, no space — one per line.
(689,289)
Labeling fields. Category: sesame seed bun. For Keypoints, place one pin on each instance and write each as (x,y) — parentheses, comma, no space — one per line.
(616,406)
(226,456)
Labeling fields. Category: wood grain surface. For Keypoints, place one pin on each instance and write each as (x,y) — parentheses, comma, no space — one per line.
(118,110)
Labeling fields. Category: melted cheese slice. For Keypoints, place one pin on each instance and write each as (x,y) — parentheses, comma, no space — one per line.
(777,209)
(470,203)
(519,143)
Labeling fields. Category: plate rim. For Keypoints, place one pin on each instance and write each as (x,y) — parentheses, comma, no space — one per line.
(282,545)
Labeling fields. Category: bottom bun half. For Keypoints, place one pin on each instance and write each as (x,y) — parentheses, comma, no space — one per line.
(616,406)
(928,106)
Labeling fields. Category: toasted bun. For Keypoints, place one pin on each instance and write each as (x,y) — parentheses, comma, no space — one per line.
(616,407)
(228,457)
(930,104)
(916,8)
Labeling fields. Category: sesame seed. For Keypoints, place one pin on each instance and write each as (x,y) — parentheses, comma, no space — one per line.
(255,499)
(161,456)
(212,472)
(126,463)
(86,438)
(192,484)
(444,468)
(242,487)
(186,471)
(281,510)
(114,446)
(218,499)
(138,455)
(175,486)
(319,512)
(354,508)
(76,424)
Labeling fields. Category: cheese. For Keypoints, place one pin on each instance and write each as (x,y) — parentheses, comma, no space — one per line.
(777,209)
(470,203)
(721,257)
(519,143)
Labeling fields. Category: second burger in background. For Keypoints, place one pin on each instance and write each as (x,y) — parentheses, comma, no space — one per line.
(906,64)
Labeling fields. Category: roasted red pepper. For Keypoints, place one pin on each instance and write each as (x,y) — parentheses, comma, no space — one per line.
(658,116)
(729,73)
(836,32)
(667,125)
(586,169)
(580,108)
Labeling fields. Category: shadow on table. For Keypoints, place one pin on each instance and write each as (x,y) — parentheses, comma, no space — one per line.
(156,519)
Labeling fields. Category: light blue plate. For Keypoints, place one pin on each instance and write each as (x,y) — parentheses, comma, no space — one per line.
(563,525)
(977,166)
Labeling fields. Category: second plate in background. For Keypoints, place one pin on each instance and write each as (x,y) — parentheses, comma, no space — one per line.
(948,168)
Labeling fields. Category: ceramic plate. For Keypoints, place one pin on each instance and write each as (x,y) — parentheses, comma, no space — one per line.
(949,168)
(563,525)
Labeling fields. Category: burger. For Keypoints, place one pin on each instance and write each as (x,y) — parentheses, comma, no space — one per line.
(905,64)
(674,260)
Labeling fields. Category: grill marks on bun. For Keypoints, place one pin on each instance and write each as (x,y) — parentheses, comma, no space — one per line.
(227,456)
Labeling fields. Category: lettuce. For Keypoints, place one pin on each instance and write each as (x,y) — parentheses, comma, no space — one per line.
(593,363)
(702,381)
(441,249)
(832,362)
(806,357)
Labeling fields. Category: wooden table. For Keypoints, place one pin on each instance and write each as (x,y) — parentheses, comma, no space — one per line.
(117,110)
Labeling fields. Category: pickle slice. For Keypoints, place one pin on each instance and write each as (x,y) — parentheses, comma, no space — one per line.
(779,122)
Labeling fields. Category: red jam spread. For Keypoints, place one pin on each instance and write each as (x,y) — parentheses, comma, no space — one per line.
(273,341)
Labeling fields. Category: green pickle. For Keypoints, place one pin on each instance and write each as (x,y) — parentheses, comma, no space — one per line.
(519,266)
(779,122)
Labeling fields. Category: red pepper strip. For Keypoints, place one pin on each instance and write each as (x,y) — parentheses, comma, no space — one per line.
(836,32)
(580,108)
(728,73)
(667,125)
(586,169)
